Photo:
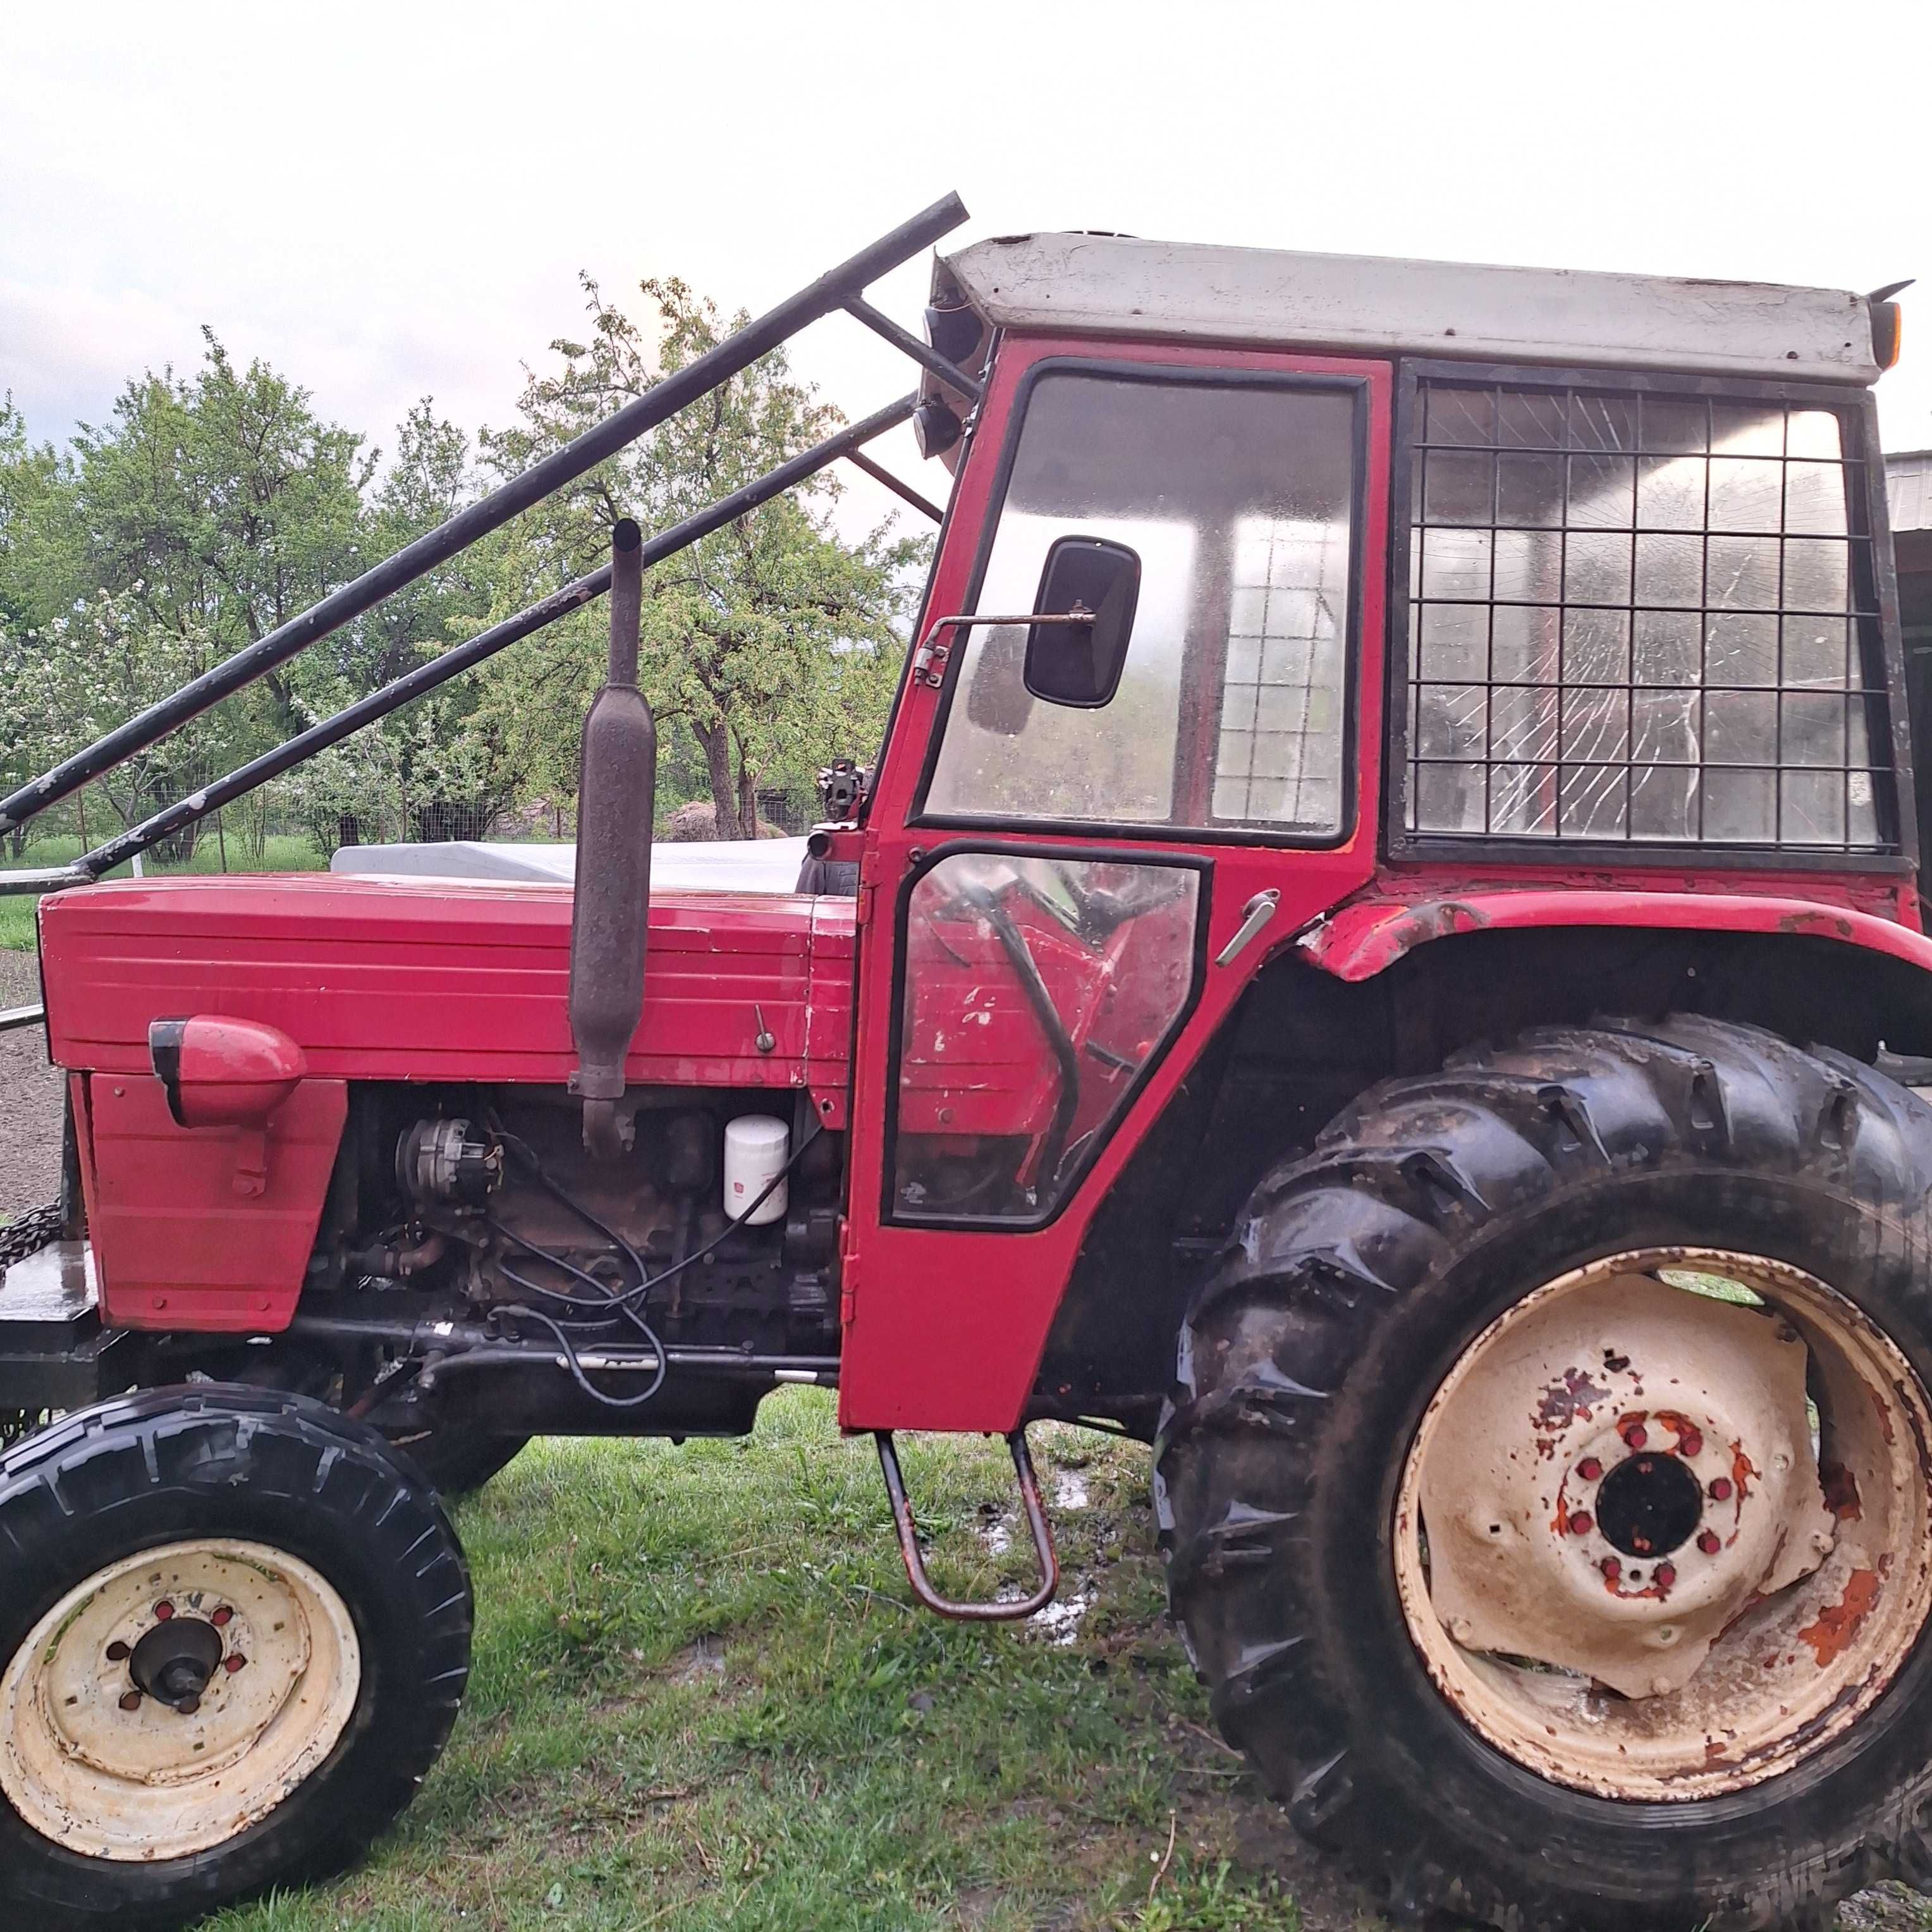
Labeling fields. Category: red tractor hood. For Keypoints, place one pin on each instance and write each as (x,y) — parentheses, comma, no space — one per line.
(397,978)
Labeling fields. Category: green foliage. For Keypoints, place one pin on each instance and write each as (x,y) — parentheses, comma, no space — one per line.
(772,642)
(211,508)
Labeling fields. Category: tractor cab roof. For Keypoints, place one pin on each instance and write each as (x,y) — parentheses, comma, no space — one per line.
(1119,286)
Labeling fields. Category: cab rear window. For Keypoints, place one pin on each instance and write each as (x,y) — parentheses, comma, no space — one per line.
(1642,617)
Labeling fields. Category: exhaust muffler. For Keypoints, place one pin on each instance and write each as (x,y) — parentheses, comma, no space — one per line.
(609,921)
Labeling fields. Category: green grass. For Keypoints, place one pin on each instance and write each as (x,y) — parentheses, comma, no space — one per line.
(703,1698)
(280,854)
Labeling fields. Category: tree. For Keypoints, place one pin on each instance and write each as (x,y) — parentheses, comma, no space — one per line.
(226,498)
(31,476)
(205,513)
(766,640)
(108,657)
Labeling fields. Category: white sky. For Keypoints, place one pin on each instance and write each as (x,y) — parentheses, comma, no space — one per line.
(387,200)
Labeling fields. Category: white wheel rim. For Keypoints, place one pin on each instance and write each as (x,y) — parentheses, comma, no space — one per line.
(1766,1630)
(98,1765)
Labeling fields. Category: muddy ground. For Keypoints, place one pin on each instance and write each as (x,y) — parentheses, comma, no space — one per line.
(30,1097)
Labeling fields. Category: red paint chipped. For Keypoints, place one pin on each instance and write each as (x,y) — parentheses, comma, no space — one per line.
(1567,1400)
(1743,1470)
(1689,1437)
(1838,1625)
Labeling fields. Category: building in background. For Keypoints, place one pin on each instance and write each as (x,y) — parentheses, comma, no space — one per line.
(1908,477)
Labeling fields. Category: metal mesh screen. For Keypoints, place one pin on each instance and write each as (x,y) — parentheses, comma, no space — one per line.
(1278,758)
(1640,616)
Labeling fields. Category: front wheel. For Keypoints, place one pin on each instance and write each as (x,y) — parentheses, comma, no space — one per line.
(1545,1497)
(234,1637)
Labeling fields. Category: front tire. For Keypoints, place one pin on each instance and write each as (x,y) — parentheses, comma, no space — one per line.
(1372,1279)
(234,1638)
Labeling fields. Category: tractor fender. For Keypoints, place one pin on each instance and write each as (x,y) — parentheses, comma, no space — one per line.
(1359,941)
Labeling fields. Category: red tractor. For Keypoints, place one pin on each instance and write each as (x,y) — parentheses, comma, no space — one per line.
(1382,955)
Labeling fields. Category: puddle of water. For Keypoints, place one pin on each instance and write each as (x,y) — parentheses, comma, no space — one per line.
(1059,1623)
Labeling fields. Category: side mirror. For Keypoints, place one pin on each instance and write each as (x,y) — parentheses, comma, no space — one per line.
(1080,664)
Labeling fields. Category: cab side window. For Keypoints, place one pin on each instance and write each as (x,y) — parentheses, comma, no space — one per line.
(1231,711)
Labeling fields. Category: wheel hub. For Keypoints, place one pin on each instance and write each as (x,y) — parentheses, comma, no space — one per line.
(174,1661)
(1648,1506)
(1618,1547)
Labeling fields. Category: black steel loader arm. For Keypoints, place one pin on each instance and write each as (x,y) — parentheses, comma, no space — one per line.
(841,288)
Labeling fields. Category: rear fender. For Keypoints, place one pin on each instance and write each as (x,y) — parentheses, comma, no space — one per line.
(1363,939)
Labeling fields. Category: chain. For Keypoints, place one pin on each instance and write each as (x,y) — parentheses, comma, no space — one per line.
(26,1234)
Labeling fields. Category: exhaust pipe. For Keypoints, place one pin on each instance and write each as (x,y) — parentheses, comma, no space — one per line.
(610,919)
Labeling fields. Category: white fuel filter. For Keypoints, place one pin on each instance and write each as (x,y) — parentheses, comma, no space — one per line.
(757,1147)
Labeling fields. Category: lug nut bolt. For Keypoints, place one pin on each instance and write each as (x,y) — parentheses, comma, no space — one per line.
(188,1706)
(1708,1543)
(1720,1489)
(1589,1468)
(131,1701)
(233,1662)
(1611,1568)
(164,1610)
(1665,1574)
(1690,1443)
(1637,1436)
(118,1652)
(1581,1523)
(223,1618)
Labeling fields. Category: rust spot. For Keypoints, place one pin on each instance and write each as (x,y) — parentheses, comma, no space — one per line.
(1841,1491)
(1884,1413)
(1838,1625)
(1713,1749)
(1831,926)
(1567,1400)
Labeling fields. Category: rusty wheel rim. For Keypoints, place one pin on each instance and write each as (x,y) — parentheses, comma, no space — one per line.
(174,1699)
(1662,1532)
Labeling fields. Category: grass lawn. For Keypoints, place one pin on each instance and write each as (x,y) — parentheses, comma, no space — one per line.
(702,1698)
(17,932)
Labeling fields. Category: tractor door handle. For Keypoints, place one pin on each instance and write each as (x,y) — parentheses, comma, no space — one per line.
(1254,915)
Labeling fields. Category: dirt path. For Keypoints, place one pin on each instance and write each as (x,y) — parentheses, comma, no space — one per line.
(30,1097)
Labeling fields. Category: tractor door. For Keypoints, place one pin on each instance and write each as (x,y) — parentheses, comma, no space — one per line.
(1086,838)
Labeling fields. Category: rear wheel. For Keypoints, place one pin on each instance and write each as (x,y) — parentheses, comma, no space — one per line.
(236,1639)
(1545,1496)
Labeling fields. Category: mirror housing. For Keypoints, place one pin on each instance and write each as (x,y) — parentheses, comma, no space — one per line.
(1080,664)
(222,1073)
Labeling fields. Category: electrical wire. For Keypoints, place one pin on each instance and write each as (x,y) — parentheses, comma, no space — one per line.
(576,1367)
(629,1302)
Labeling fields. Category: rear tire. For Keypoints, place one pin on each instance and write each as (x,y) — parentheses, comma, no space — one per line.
(1360,1277)
(329,1591)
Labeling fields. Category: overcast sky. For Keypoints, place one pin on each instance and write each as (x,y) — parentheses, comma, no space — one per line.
(389,200)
